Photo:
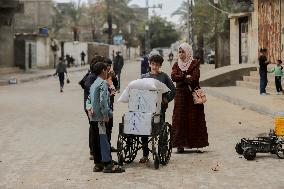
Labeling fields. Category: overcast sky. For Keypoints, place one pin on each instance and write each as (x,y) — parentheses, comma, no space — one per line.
(169,6)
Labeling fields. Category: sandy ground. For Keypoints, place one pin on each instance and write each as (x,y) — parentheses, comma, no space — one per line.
(44,144)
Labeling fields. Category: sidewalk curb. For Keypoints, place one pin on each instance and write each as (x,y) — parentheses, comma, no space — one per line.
(38,77)
(241,102)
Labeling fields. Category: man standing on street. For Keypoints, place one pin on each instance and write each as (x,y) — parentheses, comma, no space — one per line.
(263,71)
(83,54)
(117,67)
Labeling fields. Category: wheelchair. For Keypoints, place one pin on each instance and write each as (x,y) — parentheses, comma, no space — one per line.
(160,141)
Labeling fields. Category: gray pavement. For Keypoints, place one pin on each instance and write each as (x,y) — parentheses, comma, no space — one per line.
(250,99)
(31,75)
(44,144)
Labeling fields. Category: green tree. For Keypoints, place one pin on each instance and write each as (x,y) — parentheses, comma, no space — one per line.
(116,12)
(203,19)
(162,32)
(66,16)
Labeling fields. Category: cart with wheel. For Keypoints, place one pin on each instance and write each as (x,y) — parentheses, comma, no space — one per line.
(144,120)
(266,144)
(159,140)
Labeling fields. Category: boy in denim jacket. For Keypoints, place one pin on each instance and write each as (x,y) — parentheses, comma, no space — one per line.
(99,111)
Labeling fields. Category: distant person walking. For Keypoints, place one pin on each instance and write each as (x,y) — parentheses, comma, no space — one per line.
(61,70)
(144,64)
(83,58)
(278,72)
(189,125)
(117,67)
(171,57)
(263,62)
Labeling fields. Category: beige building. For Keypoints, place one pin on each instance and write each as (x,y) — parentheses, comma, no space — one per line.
(244,36)
(259,25)
(8,8)
(36,14)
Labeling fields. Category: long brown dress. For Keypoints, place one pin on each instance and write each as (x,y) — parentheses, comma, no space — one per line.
(189,125)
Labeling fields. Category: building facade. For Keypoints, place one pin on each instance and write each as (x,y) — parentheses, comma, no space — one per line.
(8,8)
(260,25)
(36,14)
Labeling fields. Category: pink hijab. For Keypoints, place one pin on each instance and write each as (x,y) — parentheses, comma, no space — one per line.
(184,65)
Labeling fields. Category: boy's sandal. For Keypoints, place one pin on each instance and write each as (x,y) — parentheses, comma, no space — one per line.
(113,169)
(98,168)
(144,160)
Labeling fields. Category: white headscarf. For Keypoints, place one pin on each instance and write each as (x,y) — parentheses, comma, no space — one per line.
(184,65)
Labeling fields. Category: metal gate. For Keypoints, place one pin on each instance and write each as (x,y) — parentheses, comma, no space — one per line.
(243,40)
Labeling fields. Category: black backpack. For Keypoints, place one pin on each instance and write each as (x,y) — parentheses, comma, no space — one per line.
(83,80)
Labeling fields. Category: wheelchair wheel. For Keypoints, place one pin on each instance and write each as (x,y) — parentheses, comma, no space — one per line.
(165,144)
(156,162)
(280,151)
(249,154)
(127,147)
(239,148)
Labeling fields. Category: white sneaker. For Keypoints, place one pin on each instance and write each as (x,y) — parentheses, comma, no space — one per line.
(263,94)
(279,93)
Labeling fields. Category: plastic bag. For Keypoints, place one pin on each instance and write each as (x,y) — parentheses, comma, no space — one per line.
(143,84)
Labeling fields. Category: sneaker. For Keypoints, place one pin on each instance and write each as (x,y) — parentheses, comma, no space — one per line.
(279,93)
(98,167)
(263,94)
(113,169)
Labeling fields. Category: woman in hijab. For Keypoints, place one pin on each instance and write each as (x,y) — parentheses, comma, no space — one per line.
(189,125)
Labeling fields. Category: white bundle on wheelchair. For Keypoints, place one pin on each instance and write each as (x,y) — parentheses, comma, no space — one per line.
(138,123)
(143,84)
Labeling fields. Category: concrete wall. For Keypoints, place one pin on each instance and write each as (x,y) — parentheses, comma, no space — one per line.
(226,76)
(40,51)
(253,36)
(74,49)
(6,46)
(43,52)
(223,51)
(37,13)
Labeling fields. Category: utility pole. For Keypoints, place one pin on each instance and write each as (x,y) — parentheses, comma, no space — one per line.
(109,21)
(147,32)
(188,23)
(215,33)
(147,28)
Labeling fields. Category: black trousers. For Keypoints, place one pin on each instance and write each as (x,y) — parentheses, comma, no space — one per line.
(61,79)
(94,142)
(145,139)
(92,136)
(278,84)
(109,127)
(263,81)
